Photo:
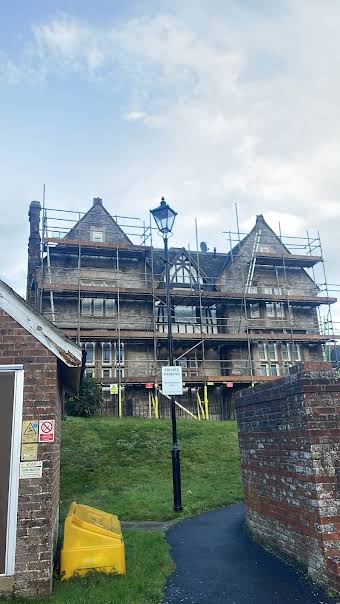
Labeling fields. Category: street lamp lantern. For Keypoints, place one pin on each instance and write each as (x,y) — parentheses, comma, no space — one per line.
(164,217)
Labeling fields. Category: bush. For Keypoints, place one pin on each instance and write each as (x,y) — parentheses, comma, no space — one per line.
(89,400)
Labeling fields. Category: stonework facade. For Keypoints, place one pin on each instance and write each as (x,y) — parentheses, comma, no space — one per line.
(289,440)
(238,318)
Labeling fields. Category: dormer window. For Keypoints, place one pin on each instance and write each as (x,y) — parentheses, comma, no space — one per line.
(97,236)
(184,272)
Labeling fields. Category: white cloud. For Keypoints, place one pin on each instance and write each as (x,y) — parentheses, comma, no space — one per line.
(134,116)
(236,103)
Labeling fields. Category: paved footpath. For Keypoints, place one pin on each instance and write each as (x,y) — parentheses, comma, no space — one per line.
(217,563)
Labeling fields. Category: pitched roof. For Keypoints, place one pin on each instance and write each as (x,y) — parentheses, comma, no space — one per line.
(98,218)
(39,327)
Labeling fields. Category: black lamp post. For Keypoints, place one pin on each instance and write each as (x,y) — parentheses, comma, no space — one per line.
(165,217)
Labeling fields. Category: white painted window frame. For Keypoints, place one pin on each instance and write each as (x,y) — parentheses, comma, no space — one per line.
(254,309)
(93,345)
(263,358)
(13,493)
(97,232)
(104,362)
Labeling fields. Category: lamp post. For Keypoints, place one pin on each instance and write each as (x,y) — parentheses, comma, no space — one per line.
(165,217)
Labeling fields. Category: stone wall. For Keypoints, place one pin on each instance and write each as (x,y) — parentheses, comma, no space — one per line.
(38,501)
(289,435)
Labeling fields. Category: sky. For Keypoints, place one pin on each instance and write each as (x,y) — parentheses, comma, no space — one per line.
(207,102)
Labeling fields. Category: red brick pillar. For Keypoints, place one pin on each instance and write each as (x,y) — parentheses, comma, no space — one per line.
(289,435)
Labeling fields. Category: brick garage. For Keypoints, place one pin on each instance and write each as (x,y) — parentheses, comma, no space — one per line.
(44,364)
(289,437)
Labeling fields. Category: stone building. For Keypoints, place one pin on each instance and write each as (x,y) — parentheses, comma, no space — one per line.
(238,318)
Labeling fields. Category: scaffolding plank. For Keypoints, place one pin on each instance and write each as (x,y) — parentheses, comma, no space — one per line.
(188,294)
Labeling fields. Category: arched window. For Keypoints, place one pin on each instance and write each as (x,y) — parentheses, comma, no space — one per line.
(184,272)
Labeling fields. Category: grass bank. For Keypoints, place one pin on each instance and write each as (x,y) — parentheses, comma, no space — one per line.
(124,467)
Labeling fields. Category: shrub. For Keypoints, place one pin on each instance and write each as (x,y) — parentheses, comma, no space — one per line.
(89,400)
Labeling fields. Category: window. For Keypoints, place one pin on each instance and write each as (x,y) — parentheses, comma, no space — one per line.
(275,309)
(279,310)
(189,365)
(285,351)
(286,368)
(110,307)
(119,353)
(263,369)
(262,350)
(277,291)
(106,394)
(185,319)
(106,373)
(270,310)
(89,349)
(264,249)
(268,290)
(183,271)
(185,314)
(272,355)
(252,289)
(106,353)
(209,319)
(267,352)
(98,307)
(296,352)
(119,356)
(86,306)
(97,236)
(254,311)
(89,373)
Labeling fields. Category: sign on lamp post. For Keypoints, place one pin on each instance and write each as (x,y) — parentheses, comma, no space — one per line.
(172,381)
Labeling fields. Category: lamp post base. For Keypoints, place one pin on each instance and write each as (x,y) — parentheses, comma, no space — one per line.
(176,477)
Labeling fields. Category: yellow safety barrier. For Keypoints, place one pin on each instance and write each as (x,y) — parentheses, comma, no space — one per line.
(93,540)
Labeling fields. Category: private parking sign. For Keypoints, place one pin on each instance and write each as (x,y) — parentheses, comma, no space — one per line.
(172,381)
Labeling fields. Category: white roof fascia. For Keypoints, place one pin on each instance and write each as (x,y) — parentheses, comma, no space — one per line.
(39,328)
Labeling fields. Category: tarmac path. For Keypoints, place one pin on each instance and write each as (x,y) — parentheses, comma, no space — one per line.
(218,563)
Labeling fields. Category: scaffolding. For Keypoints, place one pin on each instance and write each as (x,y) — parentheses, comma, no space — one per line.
(238,289)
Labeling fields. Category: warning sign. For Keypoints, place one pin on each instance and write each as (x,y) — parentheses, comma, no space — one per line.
(31,469)
(29,451)
(30,431)
(114,389)
(46,431)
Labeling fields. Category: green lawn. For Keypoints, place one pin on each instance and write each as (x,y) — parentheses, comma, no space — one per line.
(124,467)
(148,565)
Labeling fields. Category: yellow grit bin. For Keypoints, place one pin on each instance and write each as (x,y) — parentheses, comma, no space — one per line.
(93,540)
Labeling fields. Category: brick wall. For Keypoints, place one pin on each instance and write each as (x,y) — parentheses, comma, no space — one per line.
(38,502)
(289,437)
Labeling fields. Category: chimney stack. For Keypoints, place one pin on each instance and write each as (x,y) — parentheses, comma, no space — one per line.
(34,251)
(97,201)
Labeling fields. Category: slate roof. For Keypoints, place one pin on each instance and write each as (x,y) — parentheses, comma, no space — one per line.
(97,217)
